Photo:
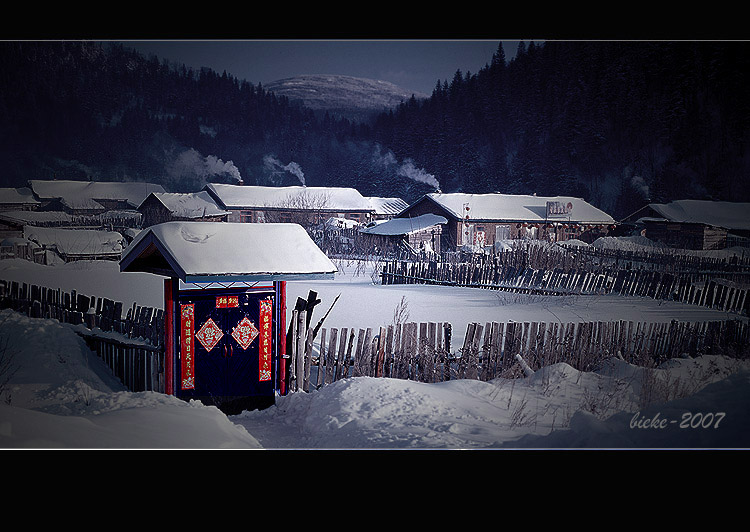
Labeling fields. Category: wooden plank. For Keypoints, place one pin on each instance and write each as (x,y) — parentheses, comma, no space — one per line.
(357,370)
(300,350)
(347,355)
(380,362)
(495,348)
(463,362)
(330,354)
(388,367)
(292,350)
(398,341)
(366,361)
(431,350)
(337,362)
(485,351)
(472,371)
(421,349)
(531,346)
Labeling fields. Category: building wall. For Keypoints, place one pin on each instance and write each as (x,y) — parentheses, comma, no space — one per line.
(488,232)
(19,206)
(10,229)
(252,215)
(154,212)
(686,236)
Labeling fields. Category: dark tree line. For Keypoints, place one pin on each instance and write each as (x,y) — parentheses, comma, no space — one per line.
(614,122)
(617,123)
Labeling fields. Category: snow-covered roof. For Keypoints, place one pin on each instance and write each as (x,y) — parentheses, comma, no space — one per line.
(387,206)
(21,195)
(518,208)
(212,251)
(80,194)
(726,214)
(189,205)
(35,217)
(403,226)
(296,197)
(76,241)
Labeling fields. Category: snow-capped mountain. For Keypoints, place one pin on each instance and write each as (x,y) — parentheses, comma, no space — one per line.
(353,98)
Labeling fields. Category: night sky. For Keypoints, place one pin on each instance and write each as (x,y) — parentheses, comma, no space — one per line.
(414,65)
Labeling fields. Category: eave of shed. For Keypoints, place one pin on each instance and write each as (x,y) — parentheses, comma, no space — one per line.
(202,252)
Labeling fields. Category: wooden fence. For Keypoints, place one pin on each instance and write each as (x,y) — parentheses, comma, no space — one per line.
(139,366)
(422,351)
(546,256)
(711,292)
(131,345)
(144,323)
(316,356)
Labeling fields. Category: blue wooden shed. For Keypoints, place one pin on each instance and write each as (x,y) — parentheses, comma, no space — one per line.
(225,304)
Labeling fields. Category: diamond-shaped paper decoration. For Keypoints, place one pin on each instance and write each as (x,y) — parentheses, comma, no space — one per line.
(209,334)
(245,332)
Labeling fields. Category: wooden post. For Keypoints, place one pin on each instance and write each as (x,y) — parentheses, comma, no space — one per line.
(169,335)
(300,350)
(331,364)
(308,358)
(321,358)
(380,353)
(348,357)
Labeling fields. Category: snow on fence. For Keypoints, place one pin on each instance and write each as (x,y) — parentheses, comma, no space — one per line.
(132,346)
(693,288)
(422,351)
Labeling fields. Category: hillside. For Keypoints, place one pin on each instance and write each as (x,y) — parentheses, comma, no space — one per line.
(618,124)
(356,99)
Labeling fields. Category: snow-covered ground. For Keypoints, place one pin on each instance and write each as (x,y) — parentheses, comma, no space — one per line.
(364,303)
(61,395)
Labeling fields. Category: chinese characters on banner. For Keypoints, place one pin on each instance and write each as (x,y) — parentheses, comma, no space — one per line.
(265,340)
(187,314)
(227,301)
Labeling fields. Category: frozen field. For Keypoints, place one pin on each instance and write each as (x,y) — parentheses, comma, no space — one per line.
(365,304)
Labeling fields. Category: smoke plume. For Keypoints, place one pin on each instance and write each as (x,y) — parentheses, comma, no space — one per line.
(190,164)
(640,185)
(274,166)
(406,169)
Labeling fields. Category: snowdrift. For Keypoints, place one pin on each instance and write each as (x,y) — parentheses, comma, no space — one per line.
(60,395)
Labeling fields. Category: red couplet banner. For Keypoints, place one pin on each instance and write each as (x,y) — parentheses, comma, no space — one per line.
(187,325)
(265,349)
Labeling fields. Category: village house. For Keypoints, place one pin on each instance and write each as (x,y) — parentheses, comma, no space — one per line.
(295,204)
(160,207)
(77,244)
(420,234)
(485,219)
(386,208)
(18,199)
(694,224)
(87,198)
(13,222)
